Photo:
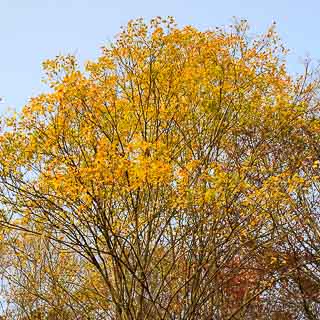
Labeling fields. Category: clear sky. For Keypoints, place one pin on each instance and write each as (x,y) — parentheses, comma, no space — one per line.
(34,30)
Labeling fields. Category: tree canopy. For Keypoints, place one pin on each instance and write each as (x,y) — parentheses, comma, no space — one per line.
(176,177)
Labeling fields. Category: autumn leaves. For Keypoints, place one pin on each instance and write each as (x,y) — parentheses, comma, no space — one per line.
(173,173)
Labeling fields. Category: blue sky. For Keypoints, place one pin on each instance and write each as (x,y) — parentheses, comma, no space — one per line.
(34,30)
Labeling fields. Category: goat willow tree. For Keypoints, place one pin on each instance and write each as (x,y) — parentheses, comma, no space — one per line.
(177,177)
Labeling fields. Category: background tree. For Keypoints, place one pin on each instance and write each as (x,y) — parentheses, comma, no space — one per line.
(181,169)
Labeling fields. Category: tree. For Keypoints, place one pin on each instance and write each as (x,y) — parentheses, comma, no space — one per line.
(176,169)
